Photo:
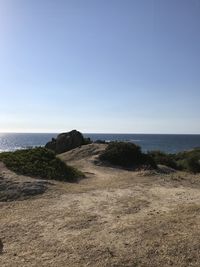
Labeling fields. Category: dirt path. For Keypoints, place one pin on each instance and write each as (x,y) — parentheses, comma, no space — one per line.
(111,218)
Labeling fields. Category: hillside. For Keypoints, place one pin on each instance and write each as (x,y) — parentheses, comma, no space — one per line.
(113,217)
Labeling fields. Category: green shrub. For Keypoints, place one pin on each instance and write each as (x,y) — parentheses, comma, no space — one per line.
(190,164)
(126,155)
(193,164)
(39,162)
(148,160)
(185,161)
(188,154)
(189,160)
(164,159)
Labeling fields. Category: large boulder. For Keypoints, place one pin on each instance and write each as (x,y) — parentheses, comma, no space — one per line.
(66,141)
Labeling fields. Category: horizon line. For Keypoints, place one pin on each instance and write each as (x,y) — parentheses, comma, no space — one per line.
(100,133)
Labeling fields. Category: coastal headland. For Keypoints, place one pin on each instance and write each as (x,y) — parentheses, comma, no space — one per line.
(111,217)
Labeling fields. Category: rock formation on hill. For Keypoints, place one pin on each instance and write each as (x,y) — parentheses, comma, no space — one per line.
(67,141)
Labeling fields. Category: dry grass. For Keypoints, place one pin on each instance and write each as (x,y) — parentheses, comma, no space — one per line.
(111,218)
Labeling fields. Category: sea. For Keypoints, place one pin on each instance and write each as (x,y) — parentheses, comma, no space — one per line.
(170,143)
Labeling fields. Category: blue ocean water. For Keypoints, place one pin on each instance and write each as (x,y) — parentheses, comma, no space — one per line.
(165,142)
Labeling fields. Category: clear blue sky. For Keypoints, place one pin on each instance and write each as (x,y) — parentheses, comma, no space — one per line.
(129,66)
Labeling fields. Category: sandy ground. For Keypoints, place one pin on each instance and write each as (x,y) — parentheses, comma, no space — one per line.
(111,218)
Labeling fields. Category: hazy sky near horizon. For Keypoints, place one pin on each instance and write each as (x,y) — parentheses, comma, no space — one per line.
(124,66)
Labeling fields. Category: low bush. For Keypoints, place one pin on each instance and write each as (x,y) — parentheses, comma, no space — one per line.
(188,154)
(39,162)
(193,164)
(126,155)
(129,155)
(185,161)
(163,158)
(189,160)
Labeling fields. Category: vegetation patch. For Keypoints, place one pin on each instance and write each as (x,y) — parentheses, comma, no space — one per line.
(186,161)
(126,155)
(39,162)
(189,160)
(129,155)
(164,158)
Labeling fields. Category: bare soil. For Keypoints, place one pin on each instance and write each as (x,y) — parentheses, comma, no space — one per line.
(113,217)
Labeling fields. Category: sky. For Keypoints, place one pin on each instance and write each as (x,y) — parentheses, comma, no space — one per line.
(100,66)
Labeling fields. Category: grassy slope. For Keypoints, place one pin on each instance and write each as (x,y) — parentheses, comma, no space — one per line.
(39,162)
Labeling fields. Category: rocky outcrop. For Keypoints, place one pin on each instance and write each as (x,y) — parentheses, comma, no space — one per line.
(66,141)
(12,189)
